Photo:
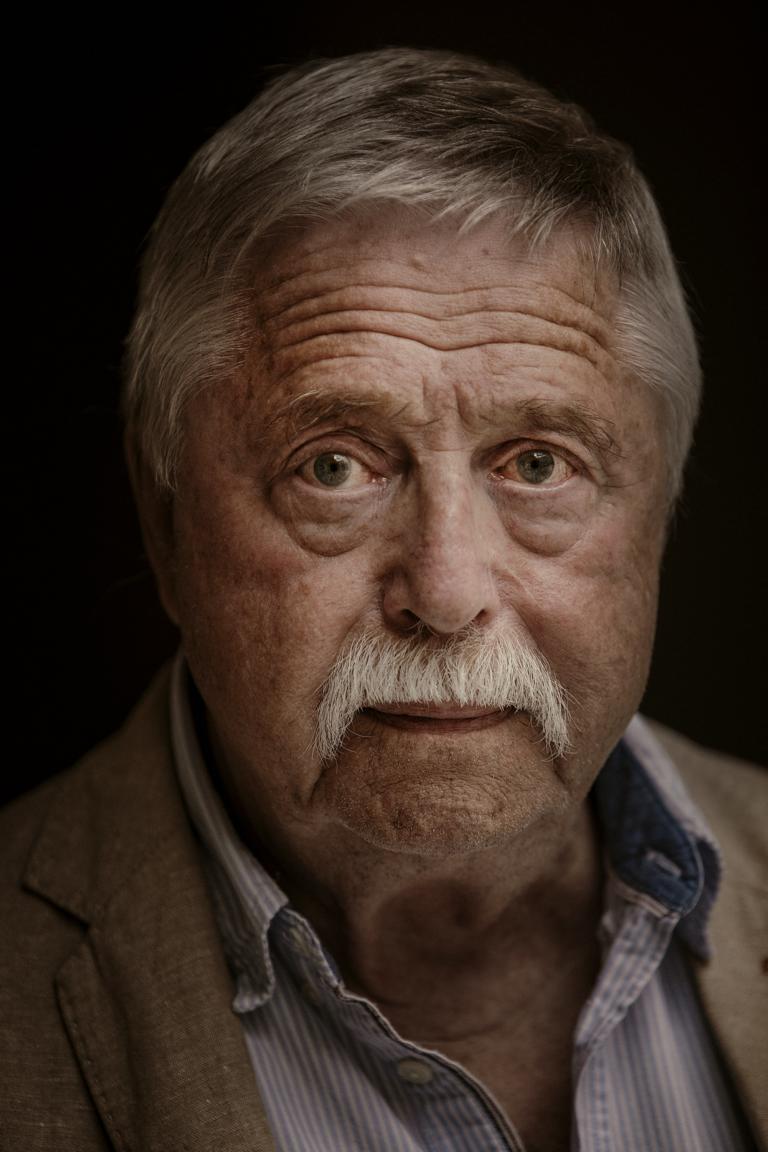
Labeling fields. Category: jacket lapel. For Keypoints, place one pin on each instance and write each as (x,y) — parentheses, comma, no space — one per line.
(733,993)
(146,998)
(731,795)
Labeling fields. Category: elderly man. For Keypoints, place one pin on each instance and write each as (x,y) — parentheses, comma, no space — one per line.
(386,860)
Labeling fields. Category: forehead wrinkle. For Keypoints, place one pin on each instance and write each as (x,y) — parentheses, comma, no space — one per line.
(334,314)
(289,285)
(457,345)
(318,300)
(469,322)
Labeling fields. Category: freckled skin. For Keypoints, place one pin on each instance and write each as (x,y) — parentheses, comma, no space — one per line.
(271,574)
(267,573)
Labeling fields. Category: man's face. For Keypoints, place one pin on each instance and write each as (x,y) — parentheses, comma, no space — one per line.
(432,430)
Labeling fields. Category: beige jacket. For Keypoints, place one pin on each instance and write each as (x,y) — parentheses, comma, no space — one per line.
(116,1030)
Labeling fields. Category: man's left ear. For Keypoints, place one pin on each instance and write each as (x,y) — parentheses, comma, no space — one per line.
(154,504)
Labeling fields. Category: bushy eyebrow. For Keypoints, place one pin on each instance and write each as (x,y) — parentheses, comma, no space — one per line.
(597,432)
(319,406)
(534,415)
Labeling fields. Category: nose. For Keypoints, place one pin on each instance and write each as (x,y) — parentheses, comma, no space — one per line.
(444,577)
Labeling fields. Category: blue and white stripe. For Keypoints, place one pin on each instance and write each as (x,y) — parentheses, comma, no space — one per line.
(333,1074)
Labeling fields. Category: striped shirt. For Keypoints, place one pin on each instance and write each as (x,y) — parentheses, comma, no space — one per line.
(335,1076)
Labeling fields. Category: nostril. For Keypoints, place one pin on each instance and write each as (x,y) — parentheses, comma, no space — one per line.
(408,621)
(437,615)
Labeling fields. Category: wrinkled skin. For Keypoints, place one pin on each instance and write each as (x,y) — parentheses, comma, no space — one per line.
(450,357)
(269,572)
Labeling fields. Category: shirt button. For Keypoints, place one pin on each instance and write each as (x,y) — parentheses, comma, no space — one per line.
(414,1071)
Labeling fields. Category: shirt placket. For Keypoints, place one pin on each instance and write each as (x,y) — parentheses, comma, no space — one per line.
(426,1072)
(636,951)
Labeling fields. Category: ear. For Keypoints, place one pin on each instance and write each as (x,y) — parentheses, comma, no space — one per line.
(155,508)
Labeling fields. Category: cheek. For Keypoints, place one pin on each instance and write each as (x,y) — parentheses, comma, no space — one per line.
(592,610)
(261,617)
(549,524)
(325,524)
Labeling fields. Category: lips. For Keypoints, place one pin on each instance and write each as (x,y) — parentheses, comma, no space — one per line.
(436,717)
(435,711)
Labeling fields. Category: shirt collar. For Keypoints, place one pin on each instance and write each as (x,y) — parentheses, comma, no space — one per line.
(658,845)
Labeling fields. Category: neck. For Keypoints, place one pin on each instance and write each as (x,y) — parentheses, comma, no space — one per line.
(413,933)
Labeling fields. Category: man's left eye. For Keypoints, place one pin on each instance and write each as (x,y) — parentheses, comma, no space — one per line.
(538,466)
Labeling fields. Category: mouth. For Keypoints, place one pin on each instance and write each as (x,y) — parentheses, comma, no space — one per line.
(436,717)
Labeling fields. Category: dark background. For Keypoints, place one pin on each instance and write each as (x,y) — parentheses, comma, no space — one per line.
(102,118)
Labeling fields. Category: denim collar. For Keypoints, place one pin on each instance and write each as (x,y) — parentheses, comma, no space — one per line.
(656,841)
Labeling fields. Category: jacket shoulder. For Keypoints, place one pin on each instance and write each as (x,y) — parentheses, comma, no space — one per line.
(50,862)
(96,794)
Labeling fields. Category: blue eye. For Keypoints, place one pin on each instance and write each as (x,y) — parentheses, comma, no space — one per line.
(332,469)
(535,466)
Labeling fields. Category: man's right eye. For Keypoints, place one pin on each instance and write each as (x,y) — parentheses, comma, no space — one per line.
(334,470)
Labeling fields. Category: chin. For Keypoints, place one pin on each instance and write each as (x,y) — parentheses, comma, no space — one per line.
(435,833)
(440,800)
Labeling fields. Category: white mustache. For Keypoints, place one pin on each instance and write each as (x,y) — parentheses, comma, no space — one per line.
(474,668)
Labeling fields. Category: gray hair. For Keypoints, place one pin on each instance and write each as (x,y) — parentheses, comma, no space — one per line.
(452,135)
(474,668)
